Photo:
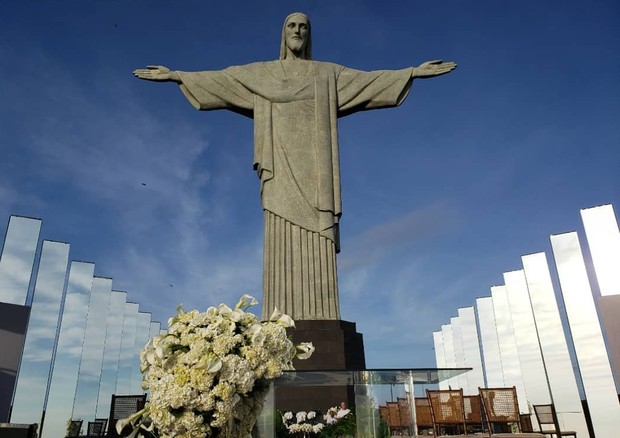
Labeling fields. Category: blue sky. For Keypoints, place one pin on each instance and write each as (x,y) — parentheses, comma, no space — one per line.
(440,196)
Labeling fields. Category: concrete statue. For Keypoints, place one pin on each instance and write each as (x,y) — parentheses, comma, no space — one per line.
(295,103)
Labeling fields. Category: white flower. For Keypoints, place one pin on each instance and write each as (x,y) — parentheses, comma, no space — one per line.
(305,350)
(207,365)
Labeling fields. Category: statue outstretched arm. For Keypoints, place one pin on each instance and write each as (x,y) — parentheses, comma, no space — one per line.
(430,69)
(157,73)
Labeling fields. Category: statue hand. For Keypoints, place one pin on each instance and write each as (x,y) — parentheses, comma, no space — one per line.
(156,73)
(430,69)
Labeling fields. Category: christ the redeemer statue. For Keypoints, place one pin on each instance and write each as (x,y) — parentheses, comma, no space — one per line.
(295,103)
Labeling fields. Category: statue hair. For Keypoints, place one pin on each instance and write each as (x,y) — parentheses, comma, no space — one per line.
(308,48)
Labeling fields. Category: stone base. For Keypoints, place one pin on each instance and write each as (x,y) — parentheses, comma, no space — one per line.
(338,347)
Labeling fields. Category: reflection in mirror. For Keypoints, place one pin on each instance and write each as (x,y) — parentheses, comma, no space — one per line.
(128,353)
(85,404)
(111,352)
(508,345)
(459,355)
(530,357)
(34,371)
(448,348)
(69,350)
(553,344)
(471,349)
(17,258)
(490,345)
(584,325)
(143,331)
(603,236)
(155,329)
(440,355)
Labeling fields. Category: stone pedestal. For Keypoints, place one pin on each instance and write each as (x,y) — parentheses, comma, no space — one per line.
(338,347)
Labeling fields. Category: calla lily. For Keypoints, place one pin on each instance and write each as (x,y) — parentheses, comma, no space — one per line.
(275,315)
(224,309)
(286,321)
(246,301)
(305,350)
(211,312)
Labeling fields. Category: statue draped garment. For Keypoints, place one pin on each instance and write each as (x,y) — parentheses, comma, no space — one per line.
(295,105)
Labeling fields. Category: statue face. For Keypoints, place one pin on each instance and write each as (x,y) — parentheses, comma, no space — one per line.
(296,33)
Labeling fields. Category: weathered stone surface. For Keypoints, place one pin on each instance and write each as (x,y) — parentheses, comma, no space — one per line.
(295,103)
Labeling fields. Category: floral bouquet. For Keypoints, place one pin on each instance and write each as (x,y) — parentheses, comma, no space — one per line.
(209,374)
(302,423)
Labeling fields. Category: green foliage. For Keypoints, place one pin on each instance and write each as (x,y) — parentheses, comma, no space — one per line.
(346,426)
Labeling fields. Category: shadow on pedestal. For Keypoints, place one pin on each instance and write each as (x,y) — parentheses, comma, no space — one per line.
(338,346)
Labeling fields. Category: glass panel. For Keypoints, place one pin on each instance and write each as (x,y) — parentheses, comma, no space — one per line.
(128,345)
(471,349)
(604,242)
(111,353)
(69,350)
(143,331)
(459,355)
(34,371)
(493,372)
(590,348)
(553,343)
(374,391)
(508,345)
(448,348)
(17,259)
(530,357)
(85,404)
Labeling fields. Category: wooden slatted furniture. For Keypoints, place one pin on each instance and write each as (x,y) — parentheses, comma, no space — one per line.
(447,410)
(501,408)
(423,419)
(549,423)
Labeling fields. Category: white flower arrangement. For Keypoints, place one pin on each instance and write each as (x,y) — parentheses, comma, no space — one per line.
(208,375)
(304,423)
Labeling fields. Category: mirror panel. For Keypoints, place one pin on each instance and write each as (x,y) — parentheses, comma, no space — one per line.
(111,352)
(553,344)
(471,349)
(598,382)
(85,404)
(508,345)
(34,371)
(526,337)
(494,375)
(69,350)
(128,345)
(17,258)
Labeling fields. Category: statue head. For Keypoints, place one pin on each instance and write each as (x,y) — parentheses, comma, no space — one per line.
(296,37)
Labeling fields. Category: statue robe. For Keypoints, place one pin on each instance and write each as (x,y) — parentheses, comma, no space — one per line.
(295,105)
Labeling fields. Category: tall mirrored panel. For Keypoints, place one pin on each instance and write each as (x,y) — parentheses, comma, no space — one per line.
(87,390)
(128,350)
(448,348)
(143,331)
(36,361)
(553,344)
(508,345)
(526,337)
(494,375)
(459,354)
(440,355)
(603,236)
(155,329)
(471,349)
(590,348)
(111,352)
(17,258)
(69,350)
